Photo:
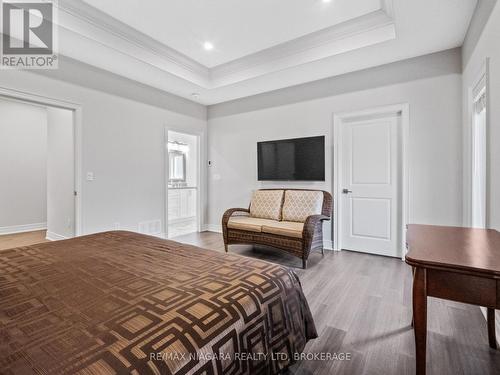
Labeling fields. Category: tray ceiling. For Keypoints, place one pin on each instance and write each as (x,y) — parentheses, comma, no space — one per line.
(259,45)
(235,27)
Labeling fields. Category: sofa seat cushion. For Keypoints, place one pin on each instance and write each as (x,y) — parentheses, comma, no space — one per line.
(284,228)
(299,204)
(251,224)
(266,204)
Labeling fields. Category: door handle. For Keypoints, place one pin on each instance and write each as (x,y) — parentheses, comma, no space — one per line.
(346,191)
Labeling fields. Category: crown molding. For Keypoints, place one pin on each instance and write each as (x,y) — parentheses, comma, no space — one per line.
(372,28)
(86,21)
(415,68)
(121,48)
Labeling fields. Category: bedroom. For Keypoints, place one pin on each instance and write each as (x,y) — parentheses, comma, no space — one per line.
(133,74)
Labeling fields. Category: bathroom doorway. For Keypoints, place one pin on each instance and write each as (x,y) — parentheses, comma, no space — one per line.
(183,167)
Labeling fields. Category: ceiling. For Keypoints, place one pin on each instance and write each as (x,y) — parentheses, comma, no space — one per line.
(259,45)
(236,27)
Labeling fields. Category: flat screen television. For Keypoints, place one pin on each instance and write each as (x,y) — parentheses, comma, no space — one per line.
(299,159)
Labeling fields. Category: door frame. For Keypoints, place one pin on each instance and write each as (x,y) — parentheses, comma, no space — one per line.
(468,142)
(76,108)
(202,156)
(338,120)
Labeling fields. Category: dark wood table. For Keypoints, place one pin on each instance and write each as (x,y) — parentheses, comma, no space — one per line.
(458,264)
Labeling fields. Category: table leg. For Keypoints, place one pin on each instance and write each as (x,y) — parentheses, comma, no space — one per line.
(413,275)
(420,317)
(491,329)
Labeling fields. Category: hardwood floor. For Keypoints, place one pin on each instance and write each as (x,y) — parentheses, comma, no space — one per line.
(362,306)
(8,241)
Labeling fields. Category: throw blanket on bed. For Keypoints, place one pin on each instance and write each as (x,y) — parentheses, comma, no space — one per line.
(121,302)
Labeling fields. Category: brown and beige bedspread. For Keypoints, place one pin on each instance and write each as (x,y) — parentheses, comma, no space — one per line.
(121,302)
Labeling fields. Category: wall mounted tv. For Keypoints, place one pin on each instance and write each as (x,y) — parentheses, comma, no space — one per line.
(299,159)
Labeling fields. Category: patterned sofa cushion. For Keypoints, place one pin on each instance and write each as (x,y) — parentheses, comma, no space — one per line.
(301,204)
(266,204)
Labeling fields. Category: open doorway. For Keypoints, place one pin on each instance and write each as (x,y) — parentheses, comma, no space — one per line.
(37,165)
(183,153)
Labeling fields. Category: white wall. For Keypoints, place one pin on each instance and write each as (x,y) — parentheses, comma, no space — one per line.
(434,144)
(122,143)
(487,47)
(23,156)
(60,173)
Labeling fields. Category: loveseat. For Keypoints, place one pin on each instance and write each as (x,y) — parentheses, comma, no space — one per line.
(287,219)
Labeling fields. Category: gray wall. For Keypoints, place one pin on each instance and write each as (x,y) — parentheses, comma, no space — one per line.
(81,74)
(431,85)
(122,143)
(23,165)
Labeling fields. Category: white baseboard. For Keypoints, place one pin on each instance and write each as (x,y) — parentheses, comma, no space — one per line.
(23,228)
(328,245)
(51,236)
(217,228)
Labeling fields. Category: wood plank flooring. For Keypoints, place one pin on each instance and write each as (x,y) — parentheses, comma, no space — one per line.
(8,241)
(362,306)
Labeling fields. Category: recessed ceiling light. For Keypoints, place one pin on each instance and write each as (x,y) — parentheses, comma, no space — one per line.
(208,46)
(327,1)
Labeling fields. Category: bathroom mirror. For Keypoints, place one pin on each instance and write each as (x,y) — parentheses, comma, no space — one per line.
(177,166)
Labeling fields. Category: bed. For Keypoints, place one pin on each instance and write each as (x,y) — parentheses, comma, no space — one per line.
(122,302)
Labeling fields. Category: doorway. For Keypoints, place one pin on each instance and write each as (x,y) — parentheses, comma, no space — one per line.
(370,172)
(183,181)
(37,158)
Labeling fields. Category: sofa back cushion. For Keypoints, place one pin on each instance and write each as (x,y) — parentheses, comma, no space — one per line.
(299,204)
(266,204)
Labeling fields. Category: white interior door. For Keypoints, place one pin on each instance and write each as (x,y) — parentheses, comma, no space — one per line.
(370,183)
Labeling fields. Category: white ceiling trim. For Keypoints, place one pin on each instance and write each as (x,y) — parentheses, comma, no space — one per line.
(77,17)
(367,30)
(90,23)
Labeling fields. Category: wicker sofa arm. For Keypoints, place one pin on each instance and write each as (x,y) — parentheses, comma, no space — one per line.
(312,221)
(310,226)
(225,218)
(227,215)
